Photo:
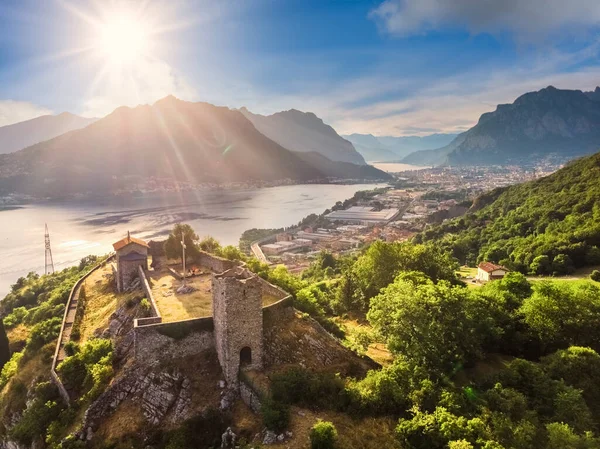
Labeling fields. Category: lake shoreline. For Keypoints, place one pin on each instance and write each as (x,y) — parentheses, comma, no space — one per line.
(80,228)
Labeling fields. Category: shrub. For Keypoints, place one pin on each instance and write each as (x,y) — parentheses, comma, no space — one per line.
(43,333)
(300,386)
(275,414)
(145,307)
(595,276)
(15,317)
(10,368)
(323,435)
(89,370)
(71,348)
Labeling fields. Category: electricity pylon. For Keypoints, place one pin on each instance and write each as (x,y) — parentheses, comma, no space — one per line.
(49,265)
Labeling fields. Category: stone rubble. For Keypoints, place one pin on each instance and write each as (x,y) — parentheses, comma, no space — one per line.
(228,439)
(185,289)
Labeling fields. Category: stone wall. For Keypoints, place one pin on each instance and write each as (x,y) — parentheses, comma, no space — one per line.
(281,310)
(148,292)
(162,341)
(271,289)
(62,336)
(250,397)
(216,264)
(128,269)
(237,312)
(115,271)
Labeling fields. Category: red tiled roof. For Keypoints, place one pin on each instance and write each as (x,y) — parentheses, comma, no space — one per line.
(489,267)
(126,241)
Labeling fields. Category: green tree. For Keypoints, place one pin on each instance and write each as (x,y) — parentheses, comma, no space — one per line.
(540,265)
(4,348)
(185,233)
(562,436)
(210,245)
(436,325)
(562,264)
(580,368)
(232,253)
(381,263)
(562,315)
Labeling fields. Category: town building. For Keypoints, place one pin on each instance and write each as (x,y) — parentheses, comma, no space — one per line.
(364,215)
(130,253)
(285,246)
(487,271)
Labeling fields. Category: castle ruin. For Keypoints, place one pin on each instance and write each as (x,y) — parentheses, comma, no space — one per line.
(238,323)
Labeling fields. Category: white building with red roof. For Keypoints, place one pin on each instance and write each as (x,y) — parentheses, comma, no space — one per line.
(488,271)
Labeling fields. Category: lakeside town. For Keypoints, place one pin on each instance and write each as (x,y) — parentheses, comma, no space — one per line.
(414,200)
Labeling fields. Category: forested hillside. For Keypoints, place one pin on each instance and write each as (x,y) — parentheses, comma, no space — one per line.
(510,365)
(551,225)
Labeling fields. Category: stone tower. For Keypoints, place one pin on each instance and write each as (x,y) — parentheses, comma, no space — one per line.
(237,314)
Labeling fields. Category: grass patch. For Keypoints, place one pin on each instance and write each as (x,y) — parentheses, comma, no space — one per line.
(102,301)
(174,306)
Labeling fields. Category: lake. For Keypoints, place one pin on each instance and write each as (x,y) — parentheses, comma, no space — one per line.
(78,229)
(394,167)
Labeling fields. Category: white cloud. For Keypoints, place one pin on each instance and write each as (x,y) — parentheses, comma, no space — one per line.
(18,111)
(383,104)
(146,82)
(526,18)
(454,104)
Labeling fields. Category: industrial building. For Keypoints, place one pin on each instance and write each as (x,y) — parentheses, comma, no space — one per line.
(365,215)
(285,246)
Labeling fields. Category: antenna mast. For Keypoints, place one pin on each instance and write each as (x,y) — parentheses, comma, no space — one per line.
(49,265)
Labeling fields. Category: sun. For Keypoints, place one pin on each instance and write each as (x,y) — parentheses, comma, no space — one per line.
(123,39)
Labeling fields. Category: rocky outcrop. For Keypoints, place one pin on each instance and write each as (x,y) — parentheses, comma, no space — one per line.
(159,393)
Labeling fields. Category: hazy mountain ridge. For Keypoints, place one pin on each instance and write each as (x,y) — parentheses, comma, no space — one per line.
(173,139)
(557,122)
(24,134)
(391,148)
(304,132)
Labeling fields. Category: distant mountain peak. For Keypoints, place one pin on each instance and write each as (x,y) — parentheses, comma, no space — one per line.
(560,122)
(23,134)
(304,132)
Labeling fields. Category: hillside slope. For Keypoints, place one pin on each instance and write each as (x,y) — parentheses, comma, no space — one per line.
(550,225)
(304,132)
(551,122)
(172,139)
(23,134)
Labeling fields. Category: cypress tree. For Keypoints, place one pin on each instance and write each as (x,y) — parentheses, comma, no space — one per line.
(4,350)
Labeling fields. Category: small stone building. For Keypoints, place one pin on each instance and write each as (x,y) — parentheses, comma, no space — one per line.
(130,254)
(238,321)
(487,271)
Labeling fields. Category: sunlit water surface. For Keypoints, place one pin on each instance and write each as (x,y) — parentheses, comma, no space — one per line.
(79,229)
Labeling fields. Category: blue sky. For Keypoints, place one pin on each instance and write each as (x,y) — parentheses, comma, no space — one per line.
(394,67)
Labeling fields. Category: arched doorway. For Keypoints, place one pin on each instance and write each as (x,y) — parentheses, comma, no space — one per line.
(245,356)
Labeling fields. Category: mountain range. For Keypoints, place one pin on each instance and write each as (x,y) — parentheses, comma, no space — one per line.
(171,139)
(392,149)
(304,132)
(23,134)
(548,123)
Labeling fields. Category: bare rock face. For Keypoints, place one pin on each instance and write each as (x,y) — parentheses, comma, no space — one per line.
(163,392)
(160,393)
